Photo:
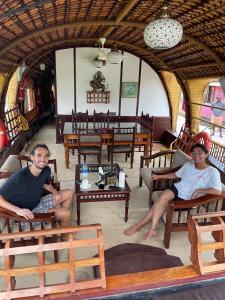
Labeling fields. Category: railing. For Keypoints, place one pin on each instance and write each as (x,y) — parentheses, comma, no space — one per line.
(217,155)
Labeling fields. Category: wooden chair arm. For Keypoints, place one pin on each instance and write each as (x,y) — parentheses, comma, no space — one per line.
(4,175)
(24,157)
(160,153)
(43,217)
(179,204)
(166,171)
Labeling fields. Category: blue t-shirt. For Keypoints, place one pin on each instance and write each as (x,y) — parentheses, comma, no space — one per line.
(218,112)
(24,189)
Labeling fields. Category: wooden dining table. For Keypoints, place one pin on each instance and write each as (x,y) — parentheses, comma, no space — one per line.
(143,135)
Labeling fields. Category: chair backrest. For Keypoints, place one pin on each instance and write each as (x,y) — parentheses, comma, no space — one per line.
(89,138)
(123,136)
(101,120)
(79,121)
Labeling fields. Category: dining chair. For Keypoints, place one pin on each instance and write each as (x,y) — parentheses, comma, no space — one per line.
(89,143)
(122,142)
(101,120)
(79,121)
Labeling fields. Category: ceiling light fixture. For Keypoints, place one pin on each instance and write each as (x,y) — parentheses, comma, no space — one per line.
(114,57)
(164,32)
(98,63)
(42,66)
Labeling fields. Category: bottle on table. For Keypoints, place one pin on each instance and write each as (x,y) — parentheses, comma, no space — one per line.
(84,171)
(122,178)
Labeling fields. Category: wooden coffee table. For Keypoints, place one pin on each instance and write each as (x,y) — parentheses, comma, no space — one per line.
(94,194)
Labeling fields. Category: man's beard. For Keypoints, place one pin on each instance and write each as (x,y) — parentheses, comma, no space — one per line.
(39,167)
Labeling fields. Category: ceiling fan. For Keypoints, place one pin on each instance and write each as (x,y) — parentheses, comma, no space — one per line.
(101,57)
(113,57)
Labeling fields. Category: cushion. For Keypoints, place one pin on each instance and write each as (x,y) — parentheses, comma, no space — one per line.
(131,248)
(139,262)
(179,158)
(146,174)
(11,164)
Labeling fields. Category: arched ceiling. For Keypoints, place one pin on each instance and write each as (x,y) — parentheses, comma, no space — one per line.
(32,30)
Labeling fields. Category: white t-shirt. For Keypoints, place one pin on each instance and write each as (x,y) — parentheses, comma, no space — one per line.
(193,179)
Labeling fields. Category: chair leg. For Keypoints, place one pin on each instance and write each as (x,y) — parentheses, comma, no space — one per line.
(132,160)
(108,152)
(168,226)
(140,181)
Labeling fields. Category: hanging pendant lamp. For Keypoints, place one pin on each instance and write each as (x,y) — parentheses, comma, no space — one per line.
(114,57)
(164,32)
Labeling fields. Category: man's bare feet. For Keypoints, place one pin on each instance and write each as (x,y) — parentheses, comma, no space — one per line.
(150,234)
(131,230)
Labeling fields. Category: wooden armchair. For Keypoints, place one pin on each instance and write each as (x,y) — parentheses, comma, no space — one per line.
(175,218)
(15,223)
(160,161)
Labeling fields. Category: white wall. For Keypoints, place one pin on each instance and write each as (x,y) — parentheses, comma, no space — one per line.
(153,99)
(65,81)
(85,71)
(130,74)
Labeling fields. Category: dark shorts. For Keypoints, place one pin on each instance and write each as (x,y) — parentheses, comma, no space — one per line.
(175,191)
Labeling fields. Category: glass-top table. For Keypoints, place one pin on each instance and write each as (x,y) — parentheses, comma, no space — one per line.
(95,193)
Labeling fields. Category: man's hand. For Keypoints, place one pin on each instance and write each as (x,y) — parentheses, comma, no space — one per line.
(24,212)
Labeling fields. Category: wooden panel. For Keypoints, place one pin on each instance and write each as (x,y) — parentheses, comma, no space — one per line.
(160,124)
(8,252)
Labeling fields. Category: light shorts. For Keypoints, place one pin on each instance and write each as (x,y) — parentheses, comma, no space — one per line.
(217,120)
(45,204)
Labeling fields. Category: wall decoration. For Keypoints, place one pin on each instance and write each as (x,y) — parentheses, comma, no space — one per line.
(129,89)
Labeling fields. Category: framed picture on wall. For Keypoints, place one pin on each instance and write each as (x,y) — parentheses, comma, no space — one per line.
(129,89)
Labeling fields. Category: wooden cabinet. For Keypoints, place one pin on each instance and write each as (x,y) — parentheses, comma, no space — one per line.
(98,97)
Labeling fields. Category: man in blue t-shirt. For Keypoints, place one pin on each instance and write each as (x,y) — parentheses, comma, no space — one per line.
(217,114)
(22,192)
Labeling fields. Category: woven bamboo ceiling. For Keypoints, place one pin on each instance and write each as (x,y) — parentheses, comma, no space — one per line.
(32,30)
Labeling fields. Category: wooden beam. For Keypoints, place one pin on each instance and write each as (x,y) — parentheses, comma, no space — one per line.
(120,16)
(202,46)
(23,38)
(205,65)
(8,62)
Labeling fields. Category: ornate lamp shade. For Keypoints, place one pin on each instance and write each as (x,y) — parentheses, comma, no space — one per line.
(114,57)
(163,33)
(98,63)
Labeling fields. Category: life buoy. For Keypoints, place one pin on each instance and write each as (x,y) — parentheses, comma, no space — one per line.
(206,138)
(4,140)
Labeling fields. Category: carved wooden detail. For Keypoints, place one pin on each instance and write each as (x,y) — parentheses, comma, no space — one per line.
(98,97)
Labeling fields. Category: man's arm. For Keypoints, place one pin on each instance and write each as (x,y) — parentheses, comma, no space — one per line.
(50,188)
(55,194)
(23,212)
